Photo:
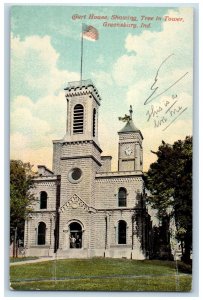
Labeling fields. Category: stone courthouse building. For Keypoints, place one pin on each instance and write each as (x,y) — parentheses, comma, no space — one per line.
(84,209)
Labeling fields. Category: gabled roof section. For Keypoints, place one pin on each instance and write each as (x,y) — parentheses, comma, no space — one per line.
(76,202)
(44,171)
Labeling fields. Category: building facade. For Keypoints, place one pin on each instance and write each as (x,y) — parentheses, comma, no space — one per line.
(84,209)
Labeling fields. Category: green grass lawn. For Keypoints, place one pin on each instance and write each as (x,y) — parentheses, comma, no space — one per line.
(16,259)
(99,274)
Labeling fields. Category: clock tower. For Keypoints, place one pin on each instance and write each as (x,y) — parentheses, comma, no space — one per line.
(130,154)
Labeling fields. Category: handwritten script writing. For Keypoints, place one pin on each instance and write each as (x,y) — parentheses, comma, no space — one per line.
(168,111)
(155,88)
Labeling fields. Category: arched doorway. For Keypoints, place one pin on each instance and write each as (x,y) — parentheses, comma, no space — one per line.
(75,235)
(122,232)
(41,239)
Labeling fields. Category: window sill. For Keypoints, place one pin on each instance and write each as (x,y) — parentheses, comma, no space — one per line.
(40,246)
(121,246)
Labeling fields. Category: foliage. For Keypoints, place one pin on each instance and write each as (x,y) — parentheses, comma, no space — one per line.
(169,181)
(21,198)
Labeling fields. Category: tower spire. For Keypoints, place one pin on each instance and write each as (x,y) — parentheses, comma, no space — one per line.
(131,112)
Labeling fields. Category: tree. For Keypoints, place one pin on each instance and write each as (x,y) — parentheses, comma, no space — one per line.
(21,198)
(169,181)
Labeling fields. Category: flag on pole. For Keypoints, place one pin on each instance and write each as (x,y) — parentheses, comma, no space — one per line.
(90,33)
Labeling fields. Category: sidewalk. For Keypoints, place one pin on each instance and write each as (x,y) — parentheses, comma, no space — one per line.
(32,261)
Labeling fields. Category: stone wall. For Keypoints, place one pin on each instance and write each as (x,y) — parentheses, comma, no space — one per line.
(107,191)
(85,187)
(31,234)
(106,164)
(47,216)
(56,164)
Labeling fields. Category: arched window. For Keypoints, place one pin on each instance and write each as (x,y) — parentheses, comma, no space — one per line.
(78,119)
(41,233)
(94,122)
(122,197)
(43,200)
(122,232)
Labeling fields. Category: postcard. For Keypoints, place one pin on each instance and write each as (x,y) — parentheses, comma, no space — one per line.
(101,112)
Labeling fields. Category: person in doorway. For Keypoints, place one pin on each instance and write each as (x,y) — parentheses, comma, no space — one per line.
(72,242)
(78,242)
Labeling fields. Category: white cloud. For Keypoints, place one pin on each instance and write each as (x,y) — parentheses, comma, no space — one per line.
(137,70)
(34,67)
(101,79)
(35,124)
(138,93)
(153,137)
(22,101)
(41,156)
(109,142)
(20,141)
(38,110)
(21,149)
(176,37)
(30,126)
(100,60)
(124,70)
(38,113)
(150,48)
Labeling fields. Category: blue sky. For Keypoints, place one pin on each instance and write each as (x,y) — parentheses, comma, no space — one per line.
(45,55)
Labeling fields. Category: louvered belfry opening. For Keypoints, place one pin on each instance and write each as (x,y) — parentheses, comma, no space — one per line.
(78,119)
(94,121)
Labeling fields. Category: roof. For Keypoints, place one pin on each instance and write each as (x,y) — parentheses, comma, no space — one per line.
(79,84)
(130,127)
(82,87)
(44,171)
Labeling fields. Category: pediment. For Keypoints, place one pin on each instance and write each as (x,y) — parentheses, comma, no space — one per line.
(76,202)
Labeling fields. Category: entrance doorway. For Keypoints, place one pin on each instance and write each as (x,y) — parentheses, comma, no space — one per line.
(41,239)
(75,235)
(122,232)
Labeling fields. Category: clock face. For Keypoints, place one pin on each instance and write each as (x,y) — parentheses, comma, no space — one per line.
(128,150)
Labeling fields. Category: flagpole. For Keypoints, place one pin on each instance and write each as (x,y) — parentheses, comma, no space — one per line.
(81,56)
